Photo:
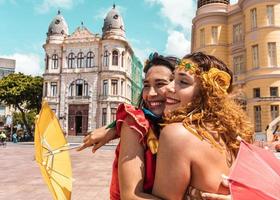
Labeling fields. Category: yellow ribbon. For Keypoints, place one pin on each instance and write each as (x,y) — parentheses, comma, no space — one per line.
(152,141)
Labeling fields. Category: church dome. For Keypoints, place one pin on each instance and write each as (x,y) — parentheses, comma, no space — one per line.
(113,23)
(58,26)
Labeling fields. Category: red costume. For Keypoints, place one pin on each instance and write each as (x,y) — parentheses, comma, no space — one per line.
(142,126)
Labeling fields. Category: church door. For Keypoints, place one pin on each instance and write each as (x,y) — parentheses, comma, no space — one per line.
(78,119)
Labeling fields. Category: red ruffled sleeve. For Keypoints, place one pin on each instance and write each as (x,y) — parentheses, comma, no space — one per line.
(139,122)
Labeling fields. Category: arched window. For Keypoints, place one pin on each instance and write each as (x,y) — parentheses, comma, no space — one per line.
(78,88)
(71,90)
(71,60)
(106,58)
(54,61)
(90,60)
(47,61)
(115,58)
(122,59)
(80,59)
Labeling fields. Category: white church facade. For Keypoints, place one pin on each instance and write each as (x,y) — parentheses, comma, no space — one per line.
(87,75)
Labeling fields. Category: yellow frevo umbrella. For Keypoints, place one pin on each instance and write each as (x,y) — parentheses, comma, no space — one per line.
(51,154)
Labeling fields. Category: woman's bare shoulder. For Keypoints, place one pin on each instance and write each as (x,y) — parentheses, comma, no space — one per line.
(177,135)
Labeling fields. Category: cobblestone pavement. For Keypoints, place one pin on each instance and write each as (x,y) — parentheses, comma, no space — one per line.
(20,178)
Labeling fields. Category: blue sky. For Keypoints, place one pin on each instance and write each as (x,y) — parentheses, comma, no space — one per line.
(151,25)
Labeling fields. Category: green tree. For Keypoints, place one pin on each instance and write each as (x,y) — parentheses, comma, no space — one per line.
(30,117)
(23,92)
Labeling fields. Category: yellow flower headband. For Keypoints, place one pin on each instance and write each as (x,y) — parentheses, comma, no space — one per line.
(219,80)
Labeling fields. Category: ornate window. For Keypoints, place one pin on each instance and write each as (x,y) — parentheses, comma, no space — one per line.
(90,59)
(113,114)
(202,37)
(80,59)
(54,61)
(71,60)
(274,91)
(129,65)
(106,58)
(128,91)
(47,61)
(237,33)
(255,56)
(46,89)
(272,53)
(238,65)
(270,14)
(256,92)
(274,111)
(79,88)
(122,60)
(253,18)
(115,58)
(53,89)
(114,87)
(122,87)
(214,34)
(104,116)
(258,118)
(105,87)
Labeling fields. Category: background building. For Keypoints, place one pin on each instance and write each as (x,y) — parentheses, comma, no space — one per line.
(246,36)
(7,66)
(87,75)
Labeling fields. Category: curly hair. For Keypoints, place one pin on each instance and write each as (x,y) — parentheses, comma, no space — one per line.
(212,111)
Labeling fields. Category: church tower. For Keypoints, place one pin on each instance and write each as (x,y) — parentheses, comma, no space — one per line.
(245,35)
(113,27)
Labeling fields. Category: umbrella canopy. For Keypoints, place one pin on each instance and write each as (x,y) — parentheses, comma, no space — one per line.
(54,162)
(255,174)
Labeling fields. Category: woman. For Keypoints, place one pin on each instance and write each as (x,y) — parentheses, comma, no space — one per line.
(134,165)
(204,123)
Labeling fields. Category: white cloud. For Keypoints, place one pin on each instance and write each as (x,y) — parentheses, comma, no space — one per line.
(177,44)
(178,12)
(178,15)
(143,54)
(26,63)
(46,5)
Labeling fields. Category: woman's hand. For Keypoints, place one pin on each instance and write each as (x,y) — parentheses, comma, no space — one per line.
(98,138)
(213,196)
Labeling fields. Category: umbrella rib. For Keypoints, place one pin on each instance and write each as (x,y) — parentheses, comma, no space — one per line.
(52,158)
(267,165)
(60,150)
(57,183)
(44,142)
(60,174)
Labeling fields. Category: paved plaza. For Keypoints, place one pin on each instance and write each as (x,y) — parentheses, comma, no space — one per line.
(20,178)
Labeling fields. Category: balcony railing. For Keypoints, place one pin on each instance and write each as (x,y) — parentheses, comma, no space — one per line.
(111,97)
(266,99)
(78,97)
